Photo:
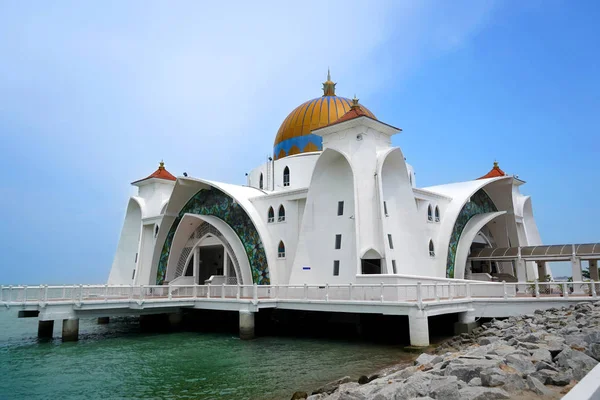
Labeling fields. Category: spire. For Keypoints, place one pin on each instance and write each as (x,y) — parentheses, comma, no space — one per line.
(160,173)
(328,85)
(355,103)
(494,172)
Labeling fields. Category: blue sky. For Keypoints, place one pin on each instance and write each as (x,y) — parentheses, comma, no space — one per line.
(93,95)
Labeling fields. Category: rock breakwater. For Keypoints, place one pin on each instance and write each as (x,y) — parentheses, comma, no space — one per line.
(527,357)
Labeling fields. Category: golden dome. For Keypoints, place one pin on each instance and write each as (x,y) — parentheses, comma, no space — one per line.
(294,135)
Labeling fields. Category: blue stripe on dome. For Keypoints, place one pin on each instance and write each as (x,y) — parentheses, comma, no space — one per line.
(300,141)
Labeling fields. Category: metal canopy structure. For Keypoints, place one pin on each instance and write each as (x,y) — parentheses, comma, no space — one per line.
(557,252)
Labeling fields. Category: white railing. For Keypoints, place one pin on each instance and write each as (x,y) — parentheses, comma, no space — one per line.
(418,292)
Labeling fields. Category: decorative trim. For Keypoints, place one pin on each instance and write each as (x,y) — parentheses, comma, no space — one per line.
(480,203)
(218,204)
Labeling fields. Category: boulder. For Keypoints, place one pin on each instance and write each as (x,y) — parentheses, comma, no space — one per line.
(468,369)
(595,351)
(538,387)
(545,375)
(475,382)
(316,396)
(541,355)
(577,361)
(332,386)
(482,393)
(445,388)
(563,378)
(488,340)
(299,395)
(428,359)
(363,379)
(506,377)
(415,386)
(521,363)
(545,365)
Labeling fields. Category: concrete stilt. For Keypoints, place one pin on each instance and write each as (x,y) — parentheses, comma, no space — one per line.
(419,329)
(521,274)
(175,319)
(45,329)
(70,330)
(577,275)
(103,320)
(246,325)
(466,323)
(594,274)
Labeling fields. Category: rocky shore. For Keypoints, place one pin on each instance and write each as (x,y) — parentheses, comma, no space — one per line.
(528,357)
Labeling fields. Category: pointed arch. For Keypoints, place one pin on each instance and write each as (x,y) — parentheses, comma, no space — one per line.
(271,215)
(286,176)
(281,249)
(431,248)
(281,214)
(429,213)
(437,214)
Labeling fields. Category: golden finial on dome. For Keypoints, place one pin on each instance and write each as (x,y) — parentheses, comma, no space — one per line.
(161,165)
(355,102)
(495,164)
(329,86)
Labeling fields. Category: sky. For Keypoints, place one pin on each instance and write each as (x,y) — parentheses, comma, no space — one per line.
(94,94)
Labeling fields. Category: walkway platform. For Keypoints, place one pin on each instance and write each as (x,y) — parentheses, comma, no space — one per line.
(470,300)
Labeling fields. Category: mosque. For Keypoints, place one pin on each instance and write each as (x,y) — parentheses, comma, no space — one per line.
(336,203)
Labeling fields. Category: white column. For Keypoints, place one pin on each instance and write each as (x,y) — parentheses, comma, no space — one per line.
(419,329)
(594,273)
(225,261)
(197,265)
(521,274)
(246,325)
(70,330)
(542,271)
(594,270)
(577,276)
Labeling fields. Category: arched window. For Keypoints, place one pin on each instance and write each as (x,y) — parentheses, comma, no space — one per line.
(286,176)
(437,214)
(281,249)
(271,215)
(281,214)
(431,249)
(429,213)
(260,181)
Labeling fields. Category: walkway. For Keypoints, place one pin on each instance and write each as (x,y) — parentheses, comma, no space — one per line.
(471,300)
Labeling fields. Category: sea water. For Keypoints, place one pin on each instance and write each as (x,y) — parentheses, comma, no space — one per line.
(118,361)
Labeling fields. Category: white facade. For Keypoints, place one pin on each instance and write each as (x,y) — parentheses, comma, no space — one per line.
(351,213)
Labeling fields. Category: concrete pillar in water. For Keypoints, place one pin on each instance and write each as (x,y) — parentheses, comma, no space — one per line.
(466,323)
(103,320)
(70,330)
(45,329)
(175,319)
(418,327)
(246,325)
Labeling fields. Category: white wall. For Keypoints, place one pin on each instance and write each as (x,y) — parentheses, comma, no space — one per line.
(301,167)
(332,182)
(125,258)
(403,222)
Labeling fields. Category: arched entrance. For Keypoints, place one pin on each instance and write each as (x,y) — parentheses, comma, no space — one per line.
(220,210)
(207,257)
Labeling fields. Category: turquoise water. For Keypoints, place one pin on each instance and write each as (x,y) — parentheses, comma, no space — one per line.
(117,361)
